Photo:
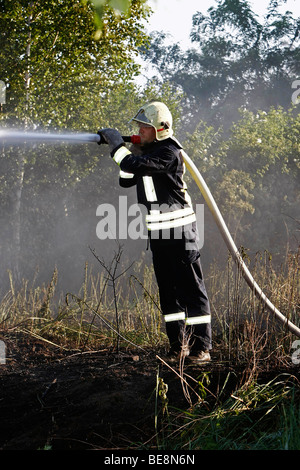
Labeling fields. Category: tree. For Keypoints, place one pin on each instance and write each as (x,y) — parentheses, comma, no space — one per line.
(49,57)
(266,147)
(237,61)
(99,7)
(58,76)
(253,172)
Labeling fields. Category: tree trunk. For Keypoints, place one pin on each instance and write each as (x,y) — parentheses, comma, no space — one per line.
(16,216)
(20,169)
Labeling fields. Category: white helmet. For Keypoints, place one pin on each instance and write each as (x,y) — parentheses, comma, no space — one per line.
(157,115)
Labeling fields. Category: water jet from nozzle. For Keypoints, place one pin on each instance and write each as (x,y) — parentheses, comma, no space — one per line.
(11,137)
(8,136)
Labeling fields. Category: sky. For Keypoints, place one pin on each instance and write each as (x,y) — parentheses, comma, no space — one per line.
(175,17)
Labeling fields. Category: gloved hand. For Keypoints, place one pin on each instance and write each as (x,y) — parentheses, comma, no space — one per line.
(112,137)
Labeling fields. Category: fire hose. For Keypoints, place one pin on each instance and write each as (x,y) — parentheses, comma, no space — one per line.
(232,247)
(15,136)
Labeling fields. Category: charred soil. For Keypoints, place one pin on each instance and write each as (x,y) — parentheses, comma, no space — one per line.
(68,400)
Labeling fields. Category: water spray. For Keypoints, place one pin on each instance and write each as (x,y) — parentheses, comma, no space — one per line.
(10,137)
(14,137)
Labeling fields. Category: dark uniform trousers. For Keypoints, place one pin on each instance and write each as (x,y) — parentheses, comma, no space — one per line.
(183,298)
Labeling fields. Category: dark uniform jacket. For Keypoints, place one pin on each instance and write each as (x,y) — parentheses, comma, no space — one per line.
(158,176)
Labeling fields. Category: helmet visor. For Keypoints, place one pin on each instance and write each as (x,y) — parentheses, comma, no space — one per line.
(141,117)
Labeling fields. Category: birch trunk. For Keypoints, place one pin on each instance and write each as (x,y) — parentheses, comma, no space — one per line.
(20,169)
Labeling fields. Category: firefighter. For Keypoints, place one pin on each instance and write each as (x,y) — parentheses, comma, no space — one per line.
(171,223)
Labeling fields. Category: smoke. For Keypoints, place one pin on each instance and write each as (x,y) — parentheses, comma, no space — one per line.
(12,137)
(61,189)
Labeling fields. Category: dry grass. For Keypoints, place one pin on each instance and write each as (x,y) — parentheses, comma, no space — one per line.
(118,309)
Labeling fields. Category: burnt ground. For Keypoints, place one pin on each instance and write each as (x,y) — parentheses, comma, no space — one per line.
(61,400)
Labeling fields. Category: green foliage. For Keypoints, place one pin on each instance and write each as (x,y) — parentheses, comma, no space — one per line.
(236,191)
(265,146)
(257,416)
(55,70)
(117,6)
(252,171)
(267,141)
(59,76)
(203,144)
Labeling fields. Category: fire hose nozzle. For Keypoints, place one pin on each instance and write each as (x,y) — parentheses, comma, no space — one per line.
(101,139)
(133,139)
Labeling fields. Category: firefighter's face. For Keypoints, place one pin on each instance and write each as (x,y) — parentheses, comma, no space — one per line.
(146,133)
